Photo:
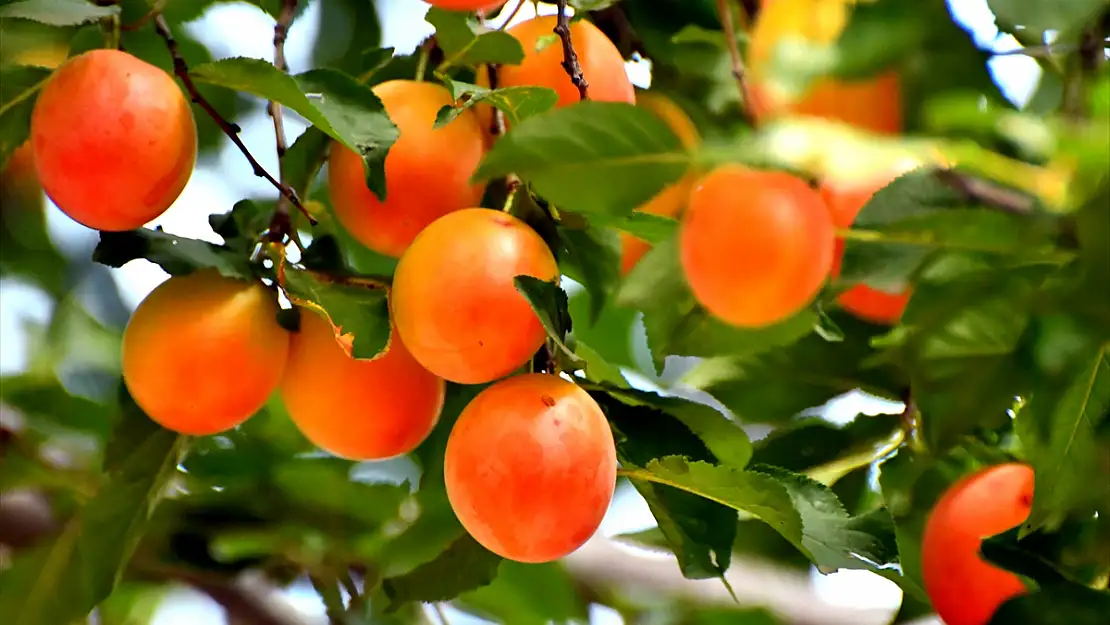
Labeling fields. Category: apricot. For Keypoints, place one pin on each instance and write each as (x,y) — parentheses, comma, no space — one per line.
(466,5)
(845,201)
(427,170)
(530,467)
(19,184)
(964,588)
(202,353)
(358,409)
(454,302)
(755,246)
(672,199)
(873,104)
(115,141)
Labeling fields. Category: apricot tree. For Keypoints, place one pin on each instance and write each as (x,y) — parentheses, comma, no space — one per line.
(413,372)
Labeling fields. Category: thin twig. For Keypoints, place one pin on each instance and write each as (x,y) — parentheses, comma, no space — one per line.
(986,192)
(738,71)
(498,119)
(570,57)
(513,14)
(181,70)
(142,21)
(281,225)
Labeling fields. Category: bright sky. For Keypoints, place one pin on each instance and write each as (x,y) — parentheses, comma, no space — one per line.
(240,29)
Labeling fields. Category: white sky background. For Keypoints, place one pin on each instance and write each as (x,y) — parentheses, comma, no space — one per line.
(240,29)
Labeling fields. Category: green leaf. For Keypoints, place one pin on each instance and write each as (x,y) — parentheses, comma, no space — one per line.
(333,102)
(19,87)
(1061,427)
(677,325)
(650,228)
(549,301)
(770,385)
(1063,16)
(915,215)
(813,442)
(324,485)
(1057,604)
(303,160)
(355,307)
(592,258)
(591,157)
(529,594)
(699,532)
(465,565)
(176,255)
(517,103)
(43,400)
(833,538)
(591,5)
(58,12)
(85,562)
(465,43)
(241,226)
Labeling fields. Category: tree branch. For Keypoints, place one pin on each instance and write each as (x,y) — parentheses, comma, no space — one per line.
(724,11)
(181,70)
(986,192)
(281,225)
(570,57)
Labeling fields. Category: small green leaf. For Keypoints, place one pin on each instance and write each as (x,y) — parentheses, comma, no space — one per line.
(464,566)
(332,101)
(810,443)
(677,325)
(1060,427)
(357,308)
(465,43)
(58,12)
(650,228)
(592,258)
(1066,17)
(303,160)
(84,563)
(240,226)
(529,594)
(591,157)
(583,6)
(19,89)
(549,301)
(176,255)
(517,103)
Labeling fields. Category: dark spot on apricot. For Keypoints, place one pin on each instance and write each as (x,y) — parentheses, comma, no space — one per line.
(548,401)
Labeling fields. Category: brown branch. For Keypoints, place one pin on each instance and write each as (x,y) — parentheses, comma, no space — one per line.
(724,11)
(570,57)
(281,225)
(986,192)
(181,70)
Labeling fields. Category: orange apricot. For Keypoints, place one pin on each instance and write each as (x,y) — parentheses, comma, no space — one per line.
(873,104)
(964,588)
(672,199)
(115,141)
(755,246)
(19,184)
(427,170)
(530,467)
(845,201)
(466,5)
(202,353)
(454,301)
(358,409)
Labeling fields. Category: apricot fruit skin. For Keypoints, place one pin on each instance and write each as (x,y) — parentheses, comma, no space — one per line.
(454,302)
(530,467)
(427,170)
(466,5)
(202,353)
(755,246)
(672,199)
(964,588)
(845,201)
(358,409)
(115,141)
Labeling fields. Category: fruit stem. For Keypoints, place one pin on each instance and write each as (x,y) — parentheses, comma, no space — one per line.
(422,60)
(181,70)
(738,71)
(570,57)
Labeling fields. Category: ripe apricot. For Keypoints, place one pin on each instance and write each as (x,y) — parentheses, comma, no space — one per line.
(427,170)
(115,141)
(358,409)
(19,184)
(466,5)
(672,199)
(964,588)
(454,301)
(845,201)
(530,467)
(202,353)
(755,246)
(873,104)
